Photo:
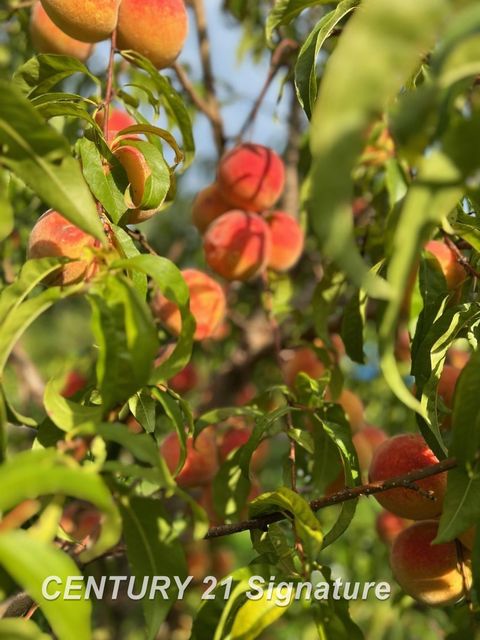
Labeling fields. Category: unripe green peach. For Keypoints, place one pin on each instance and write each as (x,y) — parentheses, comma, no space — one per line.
(397,457)
(157,29)
(287,241)
(48,38)
(428,572)
(251,177)
(83,19)
(237,245)
(53,236)
(207,304)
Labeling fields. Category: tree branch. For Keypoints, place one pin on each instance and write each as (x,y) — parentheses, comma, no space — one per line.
(407,481)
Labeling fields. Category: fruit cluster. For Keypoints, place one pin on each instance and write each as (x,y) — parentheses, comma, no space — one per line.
(242,236)
(157,29)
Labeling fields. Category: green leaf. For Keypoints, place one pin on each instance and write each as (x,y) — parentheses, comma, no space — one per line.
(126,337)
(255,616)
(66,414)
(305,68)
(20,629)
(152,550)
(352,329)
(157,184)
(169,281)
(351,96)
(466,411)
(41,157)
(128,249)
(102,184)
(284,12)
(29,562)
(31,474)
(6,209)
(305,522)
(41,73)
(142,406)
(461,508)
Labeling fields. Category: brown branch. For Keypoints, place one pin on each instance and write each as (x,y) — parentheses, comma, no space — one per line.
(290,198)
(215,116)
(188,86)
(279,57)
(407,481)
(461,259)
(142,240)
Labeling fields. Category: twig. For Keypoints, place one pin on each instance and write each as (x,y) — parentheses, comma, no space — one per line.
(28,374)
(109,87)
(215,115)
(290,198)
(461,259)
(407,481)
(188,86)
(142,240)
(278,60)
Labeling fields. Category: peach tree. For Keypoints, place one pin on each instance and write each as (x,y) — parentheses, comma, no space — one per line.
(201,389)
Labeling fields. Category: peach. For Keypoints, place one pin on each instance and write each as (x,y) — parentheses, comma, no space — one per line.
(458,357)
(302,360)
(53,236)
(134,425)
(207,304)
(157,29)
(236,437)
(237,245)
(467,538)
(428,572)
(83,19)
(185,380)
(402,346)
(352,406)
(388,526)
(208,205)
(80,521)
(287,241)
(366,442)
(251,177)
(136,167)
(398,456)
(448,264)
(201,463)
(74,382)
(48,38)
(117,121)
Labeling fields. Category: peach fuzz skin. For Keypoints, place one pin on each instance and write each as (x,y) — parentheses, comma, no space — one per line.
(427,572)
(453,272)
(201,463)
(207,304)
(83,19)
(208,205)
(48,38)
(117,121)
(53,236)
(302,360)
(398,456)
(251,177)
(388,526)
(287,241)
(237,245)
(157,29)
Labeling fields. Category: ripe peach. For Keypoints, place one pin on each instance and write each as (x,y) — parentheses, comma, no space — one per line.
(48,38)
(208,205)
(80,520)
(366,442)
(458,357)
(157,29)
(251,177)
(237,245)
(117,121)
(398,456)
(82,19)
(302,360)
(136,167)
(388,526)
(287,241)
(352,406)
(468,538)
(74,382)
(427,572)
(134,425)
(201,463)
(236,437)
(453,272)
(185,380)
(207,304)
(54,236)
